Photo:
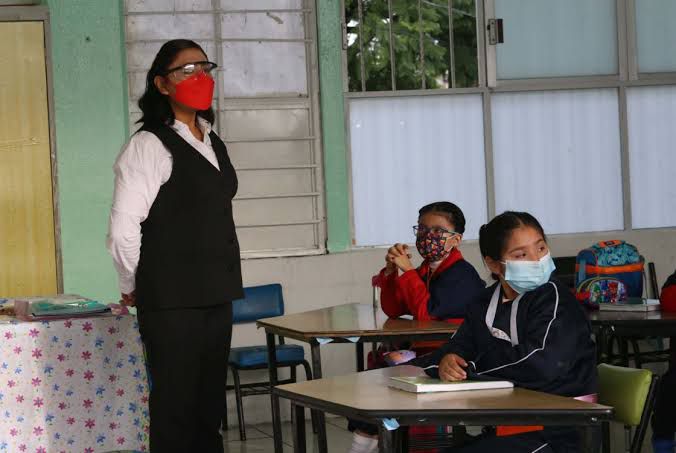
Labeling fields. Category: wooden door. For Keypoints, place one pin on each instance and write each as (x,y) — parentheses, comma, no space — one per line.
(27,240)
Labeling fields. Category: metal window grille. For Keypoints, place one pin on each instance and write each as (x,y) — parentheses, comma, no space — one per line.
(266,104)
(407,45)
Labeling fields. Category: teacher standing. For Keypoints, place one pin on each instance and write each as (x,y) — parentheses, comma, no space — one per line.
(173,242)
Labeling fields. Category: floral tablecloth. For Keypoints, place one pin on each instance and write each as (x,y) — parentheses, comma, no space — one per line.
(76,385)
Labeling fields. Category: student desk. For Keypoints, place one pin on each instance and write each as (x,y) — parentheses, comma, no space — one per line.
(639,324)
(356,323)
(366,396)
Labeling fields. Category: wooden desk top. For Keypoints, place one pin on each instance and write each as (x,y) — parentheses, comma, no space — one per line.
(350,320)
(368,392)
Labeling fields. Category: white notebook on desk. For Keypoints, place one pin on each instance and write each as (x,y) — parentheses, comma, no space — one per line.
(426,384)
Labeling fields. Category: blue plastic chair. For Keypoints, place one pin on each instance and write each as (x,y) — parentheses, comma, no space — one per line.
(260,302)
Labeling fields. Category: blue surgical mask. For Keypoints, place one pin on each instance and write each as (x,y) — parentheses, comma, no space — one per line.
(525,276)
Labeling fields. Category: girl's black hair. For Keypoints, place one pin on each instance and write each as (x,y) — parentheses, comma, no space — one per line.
(155,105)
(447,209)
(494,235)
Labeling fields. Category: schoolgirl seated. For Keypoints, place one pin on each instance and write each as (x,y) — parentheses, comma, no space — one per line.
(441,288)
(527,328)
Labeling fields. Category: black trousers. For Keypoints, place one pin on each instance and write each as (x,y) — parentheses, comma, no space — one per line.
(187,352)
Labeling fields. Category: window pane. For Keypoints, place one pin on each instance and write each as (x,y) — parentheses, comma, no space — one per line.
(407,152)
(238,5)
(652,158)
(353,46)
(376,44)
(409,19)
(265,26)
(437,43)
(655,33)
(557,156)
(465,53)
(170,26)
(406,44)
(168,5)
(258,68)
(554,38)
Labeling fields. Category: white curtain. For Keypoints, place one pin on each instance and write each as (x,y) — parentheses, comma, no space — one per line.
(557,156)
(652,155)
(410,151)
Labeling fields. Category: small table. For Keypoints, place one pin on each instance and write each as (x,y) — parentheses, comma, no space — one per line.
(356,323)
(73,385)
(367,397)
(642,324)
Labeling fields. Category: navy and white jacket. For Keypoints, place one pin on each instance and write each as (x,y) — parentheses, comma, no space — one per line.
(540,341)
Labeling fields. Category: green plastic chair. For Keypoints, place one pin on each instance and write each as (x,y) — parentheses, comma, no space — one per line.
(631,392)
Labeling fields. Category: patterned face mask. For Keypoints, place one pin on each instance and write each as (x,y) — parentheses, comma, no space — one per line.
(431,242)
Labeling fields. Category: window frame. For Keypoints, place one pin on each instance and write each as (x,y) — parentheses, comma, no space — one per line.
(628,76)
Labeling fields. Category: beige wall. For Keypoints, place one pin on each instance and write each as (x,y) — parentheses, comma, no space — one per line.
(323,281)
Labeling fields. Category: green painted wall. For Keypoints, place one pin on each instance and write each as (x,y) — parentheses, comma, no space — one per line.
(91,126)
(333,125)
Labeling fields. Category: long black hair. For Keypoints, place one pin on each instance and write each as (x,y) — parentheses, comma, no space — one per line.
(494,235)
(446,209)
(155,105)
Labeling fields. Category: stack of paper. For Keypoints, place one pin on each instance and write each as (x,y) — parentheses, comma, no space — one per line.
(62,306)
(425,384)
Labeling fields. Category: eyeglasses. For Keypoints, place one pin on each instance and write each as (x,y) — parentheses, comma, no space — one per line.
(421,230)
(190,69)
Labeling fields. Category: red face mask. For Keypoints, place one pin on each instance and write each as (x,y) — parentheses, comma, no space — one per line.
(195,92)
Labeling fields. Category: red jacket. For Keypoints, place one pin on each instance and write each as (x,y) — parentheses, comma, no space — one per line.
(408,293)
(443,295)
(668,296)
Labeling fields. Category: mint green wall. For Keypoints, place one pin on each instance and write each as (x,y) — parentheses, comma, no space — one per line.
(333,125)
(91,125)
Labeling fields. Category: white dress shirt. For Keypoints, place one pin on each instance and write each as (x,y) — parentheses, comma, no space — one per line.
(144,164)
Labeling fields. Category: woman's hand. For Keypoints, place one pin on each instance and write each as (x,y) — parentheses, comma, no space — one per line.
(452,367)
(398,256)
(129,300)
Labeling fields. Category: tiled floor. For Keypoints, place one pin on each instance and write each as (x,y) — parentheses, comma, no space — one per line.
(259,438)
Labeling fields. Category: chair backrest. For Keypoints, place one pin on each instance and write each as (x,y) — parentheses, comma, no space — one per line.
(259,302)
(565,270)
(631,392)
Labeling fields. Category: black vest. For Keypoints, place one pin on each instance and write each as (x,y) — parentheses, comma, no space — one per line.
(189,249)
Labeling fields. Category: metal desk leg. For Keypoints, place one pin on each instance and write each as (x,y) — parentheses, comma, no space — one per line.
(298,415)
(318,415)
(459,435)
(605,437)
(600,337)
(272,369)
(590,438)
(386,437)
(360,356)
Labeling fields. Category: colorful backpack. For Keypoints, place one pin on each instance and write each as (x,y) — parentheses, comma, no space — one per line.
(608,272)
